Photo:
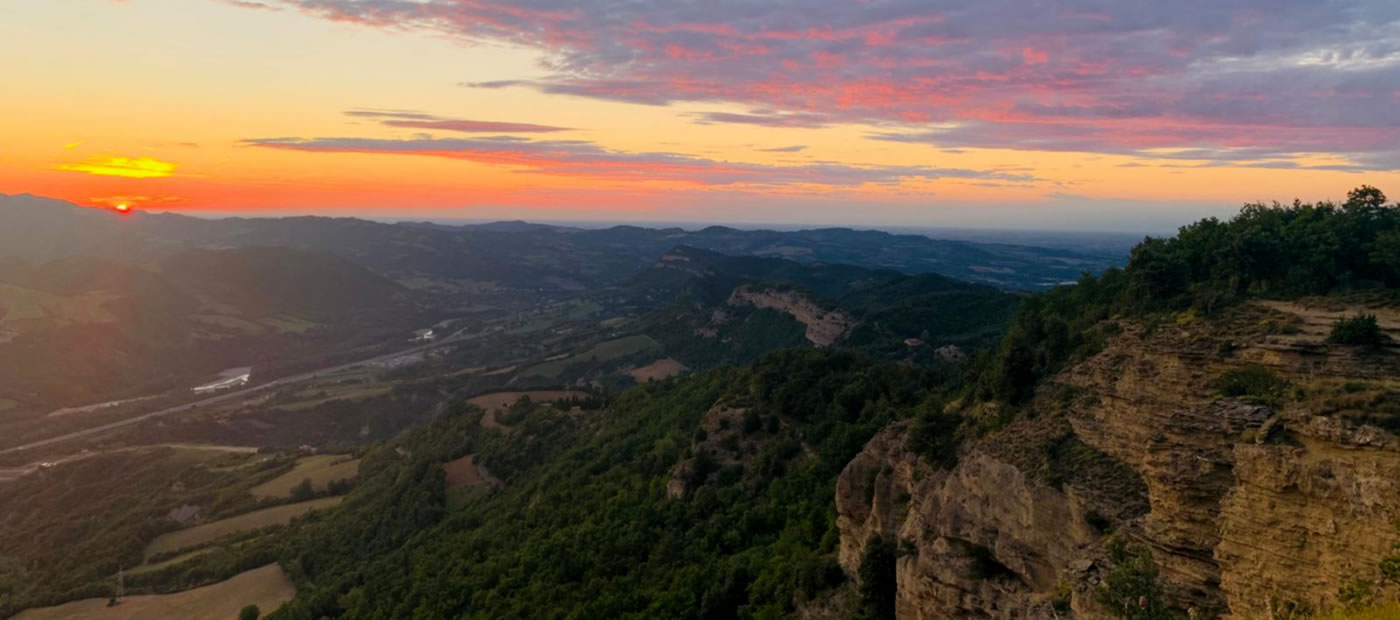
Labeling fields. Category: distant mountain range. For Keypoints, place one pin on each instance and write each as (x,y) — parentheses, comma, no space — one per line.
(520,254)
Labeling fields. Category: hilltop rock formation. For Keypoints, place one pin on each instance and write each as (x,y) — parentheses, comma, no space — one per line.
(824,327)
(1245,503)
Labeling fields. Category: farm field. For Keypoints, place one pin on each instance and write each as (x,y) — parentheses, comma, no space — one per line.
(496,402)
(658,370)
(463,473)
(29,304)
(266,587)
(501,400)
(321,470)
(306,399)
(466,479)
(200,534)
(603,351)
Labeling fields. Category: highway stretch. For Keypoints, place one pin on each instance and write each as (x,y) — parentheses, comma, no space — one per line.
(298,378)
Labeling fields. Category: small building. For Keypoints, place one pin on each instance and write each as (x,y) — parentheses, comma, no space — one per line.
(425,335)
(913,343)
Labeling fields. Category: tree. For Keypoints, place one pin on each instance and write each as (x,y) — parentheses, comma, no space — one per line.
(303,490)
(1131,590)
(250,612)
(878,578)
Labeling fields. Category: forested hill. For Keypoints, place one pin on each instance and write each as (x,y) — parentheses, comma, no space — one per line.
(518,255)
(719,309)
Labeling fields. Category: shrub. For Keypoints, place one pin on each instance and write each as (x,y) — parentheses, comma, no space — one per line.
(934,435)
(1253,383)
(1131,590)
(250,612)
(1356,594)
(1361,330)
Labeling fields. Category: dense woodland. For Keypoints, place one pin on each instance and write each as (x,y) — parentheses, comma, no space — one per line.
(584,526)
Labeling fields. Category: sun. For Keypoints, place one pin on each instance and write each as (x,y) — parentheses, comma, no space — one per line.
(123,207)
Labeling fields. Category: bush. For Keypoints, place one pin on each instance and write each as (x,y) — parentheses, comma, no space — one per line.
(1253,383)
(1131,590)
(934,435)
(250,612)
(1356,594)
(1361,329)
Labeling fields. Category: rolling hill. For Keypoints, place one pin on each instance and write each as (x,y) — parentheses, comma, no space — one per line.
(79,329)
(517,255)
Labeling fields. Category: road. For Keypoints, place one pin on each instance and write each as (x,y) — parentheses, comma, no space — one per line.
(456,337)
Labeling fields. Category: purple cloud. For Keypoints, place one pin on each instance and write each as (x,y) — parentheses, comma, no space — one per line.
(420,120)
(766,119)
(587,159)
(1285,76)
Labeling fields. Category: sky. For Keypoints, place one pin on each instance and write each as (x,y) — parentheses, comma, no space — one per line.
(1052,114)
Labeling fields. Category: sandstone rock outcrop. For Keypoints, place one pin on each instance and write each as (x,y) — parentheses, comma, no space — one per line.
(824,327)
(1243,503)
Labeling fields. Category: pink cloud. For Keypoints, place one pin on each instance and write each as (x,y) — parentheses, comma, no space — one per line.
(905,63)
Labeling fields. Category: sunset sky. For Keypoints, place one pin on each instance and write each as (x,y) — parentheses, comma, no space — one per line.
(1094,114)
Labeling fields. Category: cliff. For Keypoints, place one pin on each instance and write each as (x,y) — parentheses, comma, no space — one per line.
(824,327)
(1275,499)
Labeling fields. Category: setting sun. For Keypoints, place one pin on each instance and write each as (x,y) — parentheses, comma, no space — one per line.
(123,207)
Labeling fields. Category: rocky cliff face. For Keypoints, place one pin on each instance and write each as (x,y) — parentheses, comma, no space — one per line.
(824,327)
(1244,503)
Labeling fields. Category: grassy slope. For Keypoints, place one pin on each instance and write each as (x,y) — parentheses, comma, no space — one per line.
(266,587)
(258,519)
(320,470)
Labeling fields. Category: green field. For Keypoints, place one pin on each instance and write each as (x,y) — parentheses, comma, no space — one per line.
(353,391)
(267,587)
(258,519)
(29,304)
(290,324)
(601,352)
(613,323)
(7,404)
(320,470)
(231,322)
(584,309)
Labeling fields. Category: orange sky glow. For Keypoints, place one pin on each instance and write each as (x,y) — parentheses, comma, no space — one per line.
(880,113)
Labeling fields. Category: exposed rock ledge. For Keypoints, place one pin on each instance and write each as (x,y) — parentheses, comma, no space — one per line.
(824,327)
